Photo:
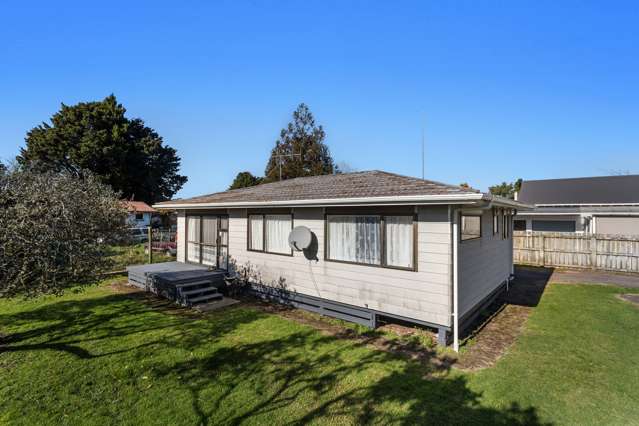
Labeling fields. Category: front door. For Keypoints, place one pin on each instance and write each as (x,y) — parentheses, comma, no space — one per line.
(208,240)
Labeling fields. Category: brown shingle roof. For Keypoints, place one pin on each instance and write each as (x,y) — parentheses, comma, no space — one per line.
(138,206)
(348,185)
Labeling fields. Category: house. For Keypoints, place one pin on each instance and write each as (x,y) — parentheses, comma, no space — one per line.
(139,213)
(382,245)
(602,205)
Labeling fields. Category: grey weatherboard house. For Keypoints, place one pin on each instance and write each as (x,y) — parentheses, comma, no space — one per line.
(383,245)
(601,205)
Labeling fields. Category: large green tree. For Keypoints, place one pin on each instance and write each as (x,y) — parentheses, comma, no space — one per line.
(244,180)
(506,189)
(300,149)
(97,136)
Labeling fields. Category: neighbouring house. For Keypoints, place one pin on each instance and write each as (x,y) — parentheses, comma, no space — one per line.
(602,205)
(382,245)
(140,214)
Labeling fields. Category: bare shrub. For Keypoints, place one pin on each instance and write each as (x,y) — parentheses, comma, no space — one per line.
(54,230)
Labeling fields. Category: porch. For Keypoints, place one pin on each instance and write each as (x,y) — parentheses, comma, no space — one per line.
(183,283)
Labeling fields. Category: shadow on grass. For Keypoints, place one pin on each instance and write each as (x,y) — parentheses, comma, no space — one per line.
(299,375)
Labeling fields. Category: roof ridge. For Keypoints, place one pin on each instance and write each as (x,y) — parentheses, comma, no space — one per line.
(448,185)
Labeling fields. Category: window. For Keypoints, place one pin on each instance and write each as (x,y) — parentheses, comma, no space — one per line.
(139,216)
(519,225)
(377,240)
(554,225)
(207,240)
(495,221)
(470,227)
(269,233)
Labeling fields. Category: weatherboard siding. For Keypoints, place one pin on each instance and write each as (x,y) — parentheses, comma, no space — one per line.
(423,294)
(484,264)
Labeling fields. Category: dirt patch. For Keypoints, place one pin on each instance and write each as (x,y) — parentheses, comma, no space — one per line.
(503,321)
(632,298)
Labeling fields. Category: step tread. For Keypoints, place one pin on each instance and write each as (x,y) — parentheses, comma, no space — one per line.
(199,290)
(205,297)
(194,283)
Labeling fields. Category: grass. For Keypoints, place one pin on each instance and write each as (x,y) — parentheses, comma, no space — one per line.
(97,357)
(125,255)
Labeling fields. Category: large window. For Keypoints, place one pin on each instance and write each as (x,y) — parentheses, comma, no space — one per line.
(386,241)
(269,233)
(519,225)
(207,240)
(470,227)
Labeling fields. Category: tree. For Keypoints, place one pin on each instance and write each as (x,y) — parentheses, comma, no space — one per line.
(300,149)
(464,185)
(244,180)
(54,228)
(505,189)
(96,136)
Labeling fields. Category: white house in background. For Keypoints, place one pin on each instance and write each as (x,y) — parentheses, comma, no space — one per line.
(383,245)
(139,213)
(602,205)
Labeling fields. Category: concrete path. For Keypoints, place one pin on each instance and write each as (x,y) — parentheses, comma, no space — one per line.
(594,277)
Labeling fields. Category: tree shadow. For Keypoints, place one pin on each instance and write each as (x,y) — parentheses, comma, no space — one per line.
(253,381)
(250,378)
(68,325)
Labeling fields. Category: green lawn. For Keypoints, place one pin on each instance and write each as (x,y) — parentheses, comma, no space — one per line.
(97,357)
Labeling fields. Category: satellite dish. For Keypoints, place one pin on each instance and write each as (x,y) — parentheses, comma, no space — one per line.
(300,238)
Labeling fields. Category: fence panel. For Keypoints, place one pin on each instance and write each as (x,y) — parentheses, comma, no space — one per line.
(593,251)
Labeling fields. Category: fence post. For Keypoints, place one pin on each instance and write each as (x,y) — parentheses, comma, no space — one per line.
(148,230)
(593,251)
(542,252)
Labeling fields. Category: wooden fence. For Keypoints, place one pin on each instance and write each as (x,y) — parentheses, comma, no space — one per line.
(592,251)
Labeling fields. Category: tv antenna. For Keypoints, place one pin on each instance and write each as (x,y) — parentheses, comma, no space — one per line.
(423,149)
(281,156)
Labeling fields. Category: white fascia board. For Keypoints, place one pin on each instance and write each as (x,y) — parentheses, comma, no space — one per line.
(587,205)
(361,201)
(579,214)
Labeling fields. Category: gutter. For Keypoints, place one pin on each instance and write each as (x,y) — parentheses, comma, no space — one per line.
(369,201)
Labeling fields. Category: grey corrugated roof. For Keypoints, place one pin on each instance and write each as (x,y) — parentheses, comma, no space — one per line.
(347,185)
(587,190)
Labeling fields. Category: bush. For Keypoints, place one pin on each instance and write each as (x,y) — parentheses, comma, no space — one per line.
(54,228)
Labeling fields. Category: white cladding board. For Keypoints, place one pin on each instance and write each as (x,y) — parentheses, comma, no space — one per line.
(423,295)
(484,264)
(617,225)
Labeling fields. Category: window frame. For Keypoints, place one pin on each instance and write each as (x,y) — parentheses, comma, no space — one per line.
(218,239)
(481,231)
(265,213)
(139,218)
(495,221)
(382,214)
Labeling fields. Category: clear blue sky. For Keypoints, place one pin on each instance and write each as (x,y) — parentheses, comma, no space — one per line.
(539,89)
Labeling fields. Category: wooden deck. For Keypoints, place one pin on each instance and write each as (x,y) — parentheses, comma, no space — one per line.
(183,283)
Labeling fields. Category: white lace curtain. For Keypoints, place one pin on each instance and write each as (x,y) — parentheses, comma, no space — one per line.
(256,224)
(278,226)
(193,248)
(355,238)
(209,240)
(358,238)
(399,241)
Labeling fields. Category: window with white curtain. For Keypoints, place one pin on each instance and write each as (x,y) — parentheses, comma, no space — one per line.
(207,240)
(399,241)
(256,232)
(269,233)
(193,239)
(359,239)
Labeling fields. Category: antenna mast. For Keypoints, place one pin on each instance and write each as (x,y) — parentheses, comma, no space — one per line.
(423,151)
(281,156)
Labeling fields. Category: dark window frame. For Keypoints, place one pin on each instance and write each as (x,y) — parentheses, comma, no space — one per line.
(141,216)
(519,220)
(382,223)
(264,213)
(481,233)
(218,238)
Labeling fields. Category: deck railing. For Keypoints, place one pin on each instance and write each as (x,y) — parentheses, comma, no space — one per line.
(592,251)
